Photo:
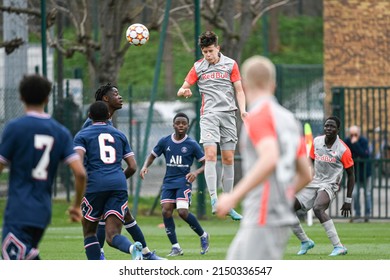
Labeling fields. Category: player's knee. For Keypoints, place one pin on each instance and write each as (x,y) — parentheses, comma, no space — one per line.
(128,217)
(318,211)
(183,213)
(166,213)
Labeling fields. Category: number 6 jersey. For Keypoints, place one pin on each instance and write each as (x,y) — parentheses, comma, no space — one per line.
(105,147)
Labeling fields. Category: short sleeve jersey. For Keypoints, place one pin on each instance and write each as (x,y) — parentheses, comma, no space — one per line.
(271,203)
(179,156)
(329,164)
(33,145)
(105,147)
(215,82)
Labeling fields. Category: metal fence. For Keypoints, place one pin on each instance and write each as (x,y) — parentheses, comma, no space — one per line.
(368,108)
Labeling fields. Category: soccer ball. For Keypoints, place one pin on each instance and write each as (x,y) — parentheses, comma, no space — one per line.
(137,34)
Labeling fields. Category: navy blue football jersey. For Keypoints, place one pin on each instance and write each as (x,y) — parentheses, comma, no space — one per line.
(105,147)
(32,146)
(179,156)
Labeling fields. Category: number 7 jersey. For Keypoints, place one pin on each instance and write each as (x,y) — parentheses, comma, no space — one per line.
(32,146)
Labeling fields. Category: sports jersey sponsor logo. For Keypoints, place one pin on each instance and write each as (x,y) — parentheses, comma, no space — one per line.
(176,161)
(215,75)
(325,158)
(168,149)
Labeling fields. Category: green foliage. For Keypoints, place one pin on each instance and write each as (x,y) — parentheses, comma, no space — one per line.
(301,43)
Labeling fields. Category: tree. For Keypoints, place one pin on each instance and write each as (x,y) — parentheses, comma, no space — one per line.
(99,27)
(236,20)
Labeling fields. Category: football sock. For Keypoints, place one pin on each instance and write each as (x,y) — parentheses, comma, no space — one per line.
(101,233)
(136,233)
(121,243)
(210,173)
(194,224)
(227,177)
(170,229)
(299,232)
(331,233)
(92,248)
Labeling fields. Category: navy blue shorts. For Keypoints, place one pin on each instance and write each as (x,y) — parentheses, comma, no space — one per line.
(180,196)
(100,205)
(21,242)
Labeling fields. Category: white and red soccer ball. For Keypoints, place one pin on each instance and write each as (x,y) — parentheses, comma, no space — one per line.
(137,34)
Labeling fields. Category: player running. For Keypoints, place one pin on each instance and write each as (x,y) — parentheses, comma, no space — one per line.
(106,196)
(32,146)
(110,95)
(219,82)
(179,151)
(330,156)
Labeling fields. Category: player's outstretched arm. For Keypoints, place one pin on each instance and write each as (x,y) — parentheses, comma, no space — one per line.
(144,169)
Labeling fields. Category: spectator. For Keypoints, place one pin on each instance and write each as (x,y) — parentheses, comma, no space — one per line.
(360,153)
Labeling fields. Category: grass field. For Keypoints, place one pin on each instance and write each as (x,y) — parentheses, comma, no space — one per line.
(63,240)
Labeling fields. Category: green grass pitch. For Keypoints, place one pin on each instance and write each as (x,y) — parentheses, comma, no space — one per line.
(63,240)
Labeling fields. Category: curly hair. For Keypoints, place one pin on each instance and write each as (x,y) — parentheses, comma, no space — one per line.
(103,90)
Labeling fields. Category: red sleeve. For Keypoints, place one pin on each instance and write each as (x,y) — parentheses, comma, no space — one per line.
(191,76)
(260,124)
(312,152)
(302,148)
(346,159)
(235,75)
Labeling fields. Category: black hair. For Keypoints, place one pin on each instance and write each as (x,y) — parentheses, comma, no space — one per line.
(207,39)
(103,90)
(180,114)
(34,89)
(98,111)
(336,119)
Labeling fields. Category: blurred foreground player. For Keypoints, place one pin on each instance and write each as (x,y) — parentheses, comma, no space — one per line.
(275,167)
(32,146)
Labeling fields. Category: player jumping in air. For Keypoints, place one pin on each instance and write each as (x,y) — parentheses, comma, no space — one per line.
(219,82)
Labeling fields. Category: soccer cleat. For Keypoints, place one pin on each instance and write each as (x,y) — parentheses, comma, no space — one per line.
(136,251)
(152,256)
(204,244)
(214,206)
(306,246)
(176,252)
(339,250)
(102,257)
(234,215)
